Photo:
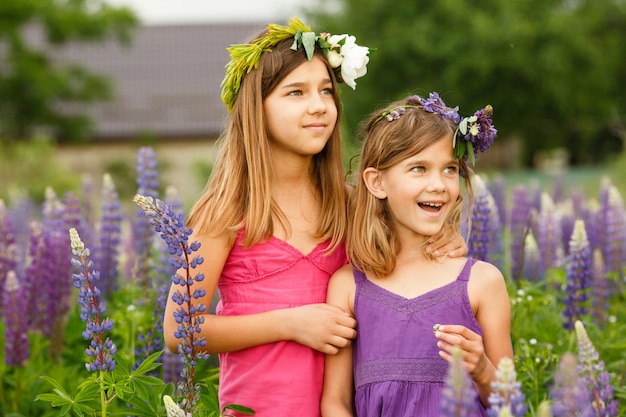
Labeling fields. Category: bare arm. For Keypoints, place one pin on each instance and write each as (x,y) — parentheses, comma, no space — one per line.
(481,355)
(322,327)
(338,390)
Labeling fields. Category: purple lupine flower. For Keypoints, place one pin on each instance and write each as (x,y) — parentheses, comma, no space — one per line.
(171,227)
(109,238)
(548,233)
(172,367)
(567,218)
(92,309)
(507,391)
(458,399)
(578,276)
(612,228)
(519,226)
(484,242)
(21,212)
(148,184)
(46,287)
(434,104)
(497,188)
(152,340)
(8,247)
(480,130)
(591,369)
(531,268)
(600,289)
(35,275)
(55,292)
(73,217)
(570,395)
(16,345)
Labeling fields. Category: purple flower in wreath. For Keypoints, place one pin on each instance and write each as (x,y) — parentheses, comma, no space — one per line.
(435,104)
(480,130)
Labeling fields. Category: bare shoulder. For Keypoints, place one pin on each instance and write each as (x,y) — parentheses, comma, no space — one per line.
(341,288)
(486,280)
(486,273)
(343,277)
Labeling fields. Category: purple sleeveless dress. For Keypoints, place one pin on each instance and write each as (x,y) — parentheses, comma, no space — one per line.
(397,368)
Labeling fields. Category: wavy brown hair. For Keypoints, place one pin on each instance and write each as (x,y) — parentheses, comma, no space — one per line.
(238,194)
(372,244)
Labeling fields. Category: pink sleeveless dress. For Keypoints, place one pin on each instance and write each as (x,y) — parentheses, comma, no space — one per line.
(278,379)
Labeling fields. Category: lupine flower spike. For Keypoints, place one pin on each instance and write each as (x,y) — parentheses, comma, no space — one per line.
(548,233)
(592,371)
(169,224)
(612,224)
(507,398)
(148,185)
(578,276)
(173,410)
(101,350)
(485,240)
(570,396)
(458,398)
(16,345)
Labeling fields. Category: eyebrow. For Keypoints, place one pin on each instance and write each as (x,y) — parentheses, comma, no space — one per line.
(303,83)
(411,161)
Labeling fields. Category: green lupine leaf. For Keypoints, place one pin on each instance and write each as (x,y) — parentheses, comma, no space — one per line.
(148,364)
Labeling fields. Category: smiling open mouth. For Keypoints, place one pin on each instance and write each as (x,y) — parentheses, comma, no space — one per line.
(434,207)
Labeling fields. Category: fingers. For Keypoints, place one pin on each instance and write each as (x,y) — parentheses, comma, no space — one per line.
(324,327)
(447,244)
(471,344)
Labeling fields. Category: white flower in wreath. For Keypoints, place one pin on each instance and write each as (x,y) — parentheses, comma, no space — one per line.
(354,58)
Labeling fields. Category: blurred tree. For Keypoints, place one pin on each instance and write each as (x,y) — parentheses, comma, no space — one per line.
(35,91)
(554,70)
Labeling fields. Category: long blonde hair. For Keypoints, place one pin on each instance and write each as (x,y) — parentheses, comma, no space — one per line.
(238,193)
(372,243)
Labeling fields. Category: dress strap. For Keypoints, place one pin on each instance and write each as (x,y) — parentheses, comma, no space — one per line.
(465,272)
(359,276)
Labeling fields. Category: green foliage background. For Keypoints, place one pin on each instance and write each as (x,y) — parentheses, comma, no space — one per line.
(554,71)
(33,84)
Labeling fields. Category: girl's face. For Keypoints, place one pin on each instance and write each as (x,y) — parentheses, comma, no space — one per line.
(301,112)
(422,189)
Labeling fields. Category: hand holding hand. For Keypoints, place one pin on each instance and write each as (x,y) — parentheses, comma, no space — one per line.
(323,327)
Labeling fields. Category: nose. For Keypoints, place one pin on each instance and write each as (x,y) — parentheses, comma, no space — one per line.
(317,104)
(436,183)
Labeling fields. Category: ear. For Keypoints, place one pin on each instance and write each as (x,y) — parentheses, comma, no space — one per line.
(373,180)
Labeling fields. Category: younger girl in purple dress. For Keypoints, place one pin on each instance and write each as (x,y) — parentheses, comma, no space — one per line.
(412,309)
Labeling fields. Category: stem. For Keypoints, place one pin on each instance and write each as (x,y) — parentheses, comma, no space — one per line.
(103,397)
(18,389)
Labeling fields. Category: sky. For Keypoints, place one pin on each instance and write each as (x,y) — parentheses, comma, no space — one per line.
(199,11)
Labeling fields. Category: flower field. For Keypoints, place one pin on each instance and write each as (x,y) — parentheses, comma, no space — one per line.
(83,283)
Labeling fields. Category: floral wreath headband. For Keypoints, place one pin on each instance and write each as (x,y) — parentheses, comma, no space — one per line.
(473,134)
(347,59)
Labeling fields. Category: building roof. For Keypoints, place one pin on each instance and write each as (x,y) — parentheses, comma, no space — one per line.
(166,82)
